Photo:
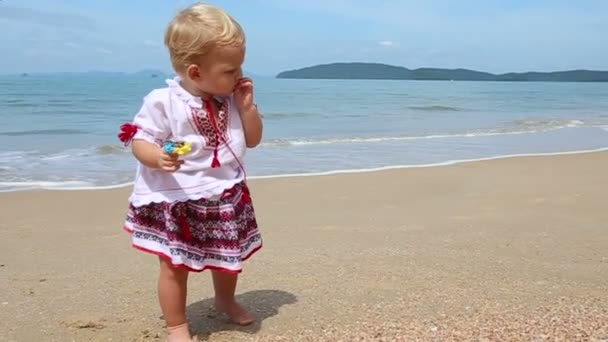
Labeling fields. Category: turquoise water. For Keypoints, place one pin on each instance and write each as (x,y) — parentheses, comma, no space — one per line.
(60,131)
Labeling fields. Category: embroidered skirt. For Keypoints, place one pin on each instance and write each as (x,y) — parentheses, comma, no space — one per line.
(198,234)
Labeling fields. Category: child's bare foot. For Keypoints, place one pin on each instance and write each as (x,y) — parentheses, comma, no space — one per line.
(179,333)
(235,312)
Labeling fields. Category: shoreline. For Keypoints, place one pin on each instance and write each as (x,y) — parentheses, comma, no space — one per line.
(332,172)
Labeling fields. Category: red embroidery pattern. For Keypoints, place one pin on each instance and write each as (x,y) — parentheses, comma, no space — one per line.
(206,128)
(200,230)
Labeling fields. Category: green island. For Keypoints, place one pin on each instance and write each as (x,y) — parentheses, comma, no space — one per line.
(378,71)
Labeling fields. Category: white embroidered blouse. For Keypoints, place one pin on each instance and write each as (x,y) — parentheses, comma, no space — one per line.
(172,113)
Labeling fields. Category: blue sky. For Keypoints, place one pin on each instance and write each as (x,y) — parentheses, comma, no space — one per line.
(487,35)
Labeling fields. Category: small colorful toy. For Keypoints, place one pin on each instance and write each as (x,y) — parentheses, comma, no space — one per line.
(177,147)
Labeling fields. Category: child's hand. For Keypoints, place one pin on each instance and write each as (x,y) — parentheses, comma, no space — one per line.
(169,162)
(243,95)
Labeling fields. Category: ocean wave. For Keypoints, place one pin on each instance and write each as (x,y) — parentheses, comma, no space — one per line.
(43,185)
(111,149)
(435,108)
(10,101)
(291,115)
(49,104)
(58,131)
(437,164)
(75,153)
(58,156)
(356,140)
(86,186)
(19,104)
(10,154)
(519,127)
(547,124)
(11,157)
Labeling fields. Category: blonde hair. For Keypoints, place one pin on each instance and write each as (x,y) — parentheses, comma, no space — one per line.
(198,29)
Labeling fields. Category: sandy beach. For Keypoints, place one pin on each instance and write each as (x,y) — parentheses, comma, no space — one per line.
(510,249)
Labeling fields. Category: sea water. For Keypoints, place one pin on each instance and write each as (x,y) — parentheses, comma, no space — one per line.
(59,131)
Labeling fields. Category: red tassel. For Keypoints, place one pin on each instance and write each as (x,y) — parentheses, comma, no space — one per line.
(216,162)
(183,222)
(127,132)
(246,195)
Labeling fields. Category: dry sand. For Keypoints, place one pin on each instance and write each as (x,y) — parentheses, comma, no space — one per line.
(512,249)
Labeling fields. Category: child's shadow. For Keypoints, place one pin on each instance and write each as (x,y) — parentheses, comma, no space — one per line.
(263,304)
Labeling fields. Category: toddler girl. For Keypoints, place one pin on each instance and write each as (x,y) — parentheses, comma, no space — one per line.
(194,211)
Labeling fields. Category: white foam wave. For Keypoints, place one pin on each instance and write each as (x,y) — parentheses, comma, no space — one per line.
(45,185)
(63,186)
(11,156)
(56,157)
(531,127)
(444,163)
(84,186)
(76,153)
(548,123)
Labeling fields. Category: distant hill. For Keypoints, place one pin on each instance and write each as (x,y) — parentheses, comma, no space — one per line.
(377,71)
(151,73)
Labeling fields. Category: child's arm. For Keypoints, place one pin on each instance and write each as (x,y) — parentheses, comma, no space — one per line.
(153,156)
(149,130)
(252,125)
(250,117)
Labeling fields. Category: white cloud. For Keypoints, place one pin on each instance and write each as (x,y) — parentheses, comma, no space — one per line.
(151,43)
(71,44)
(388,43)
(396,14)
(104,51)
(32,52)
(48,18)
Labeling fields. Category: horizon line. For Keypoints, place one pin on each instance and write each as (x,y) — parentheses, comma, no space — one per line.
(275,74)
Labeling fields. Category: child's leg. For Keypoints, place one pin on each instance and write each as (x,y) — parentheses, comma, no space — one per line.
(225,287)
(172,289)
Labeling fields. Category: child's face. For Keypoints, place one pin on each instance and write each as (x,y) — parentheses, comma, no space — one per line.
(220,71)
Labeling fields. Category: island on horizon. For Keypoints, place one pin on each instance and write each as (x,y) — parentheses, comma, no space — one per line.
(379,71)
